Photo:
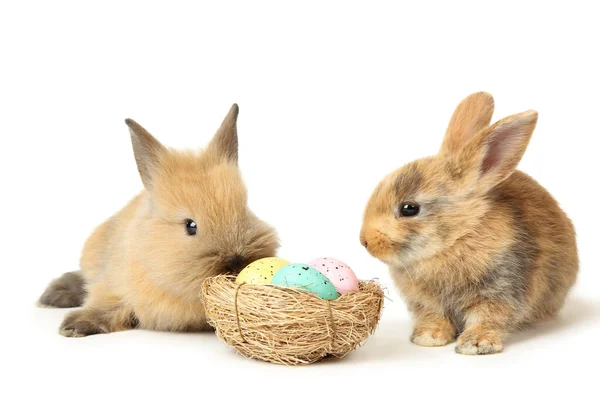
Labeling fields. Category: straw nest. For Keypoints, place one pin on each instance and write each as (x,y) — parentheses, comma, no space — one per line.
(286,325)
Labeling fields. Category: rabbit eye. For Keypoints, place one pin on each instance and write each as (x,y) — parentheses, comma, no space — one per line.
(191,227)
(408,209)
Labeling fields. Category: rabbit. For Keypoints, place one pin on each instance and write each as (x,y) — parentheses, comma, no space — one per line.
(477,248)
(144,266)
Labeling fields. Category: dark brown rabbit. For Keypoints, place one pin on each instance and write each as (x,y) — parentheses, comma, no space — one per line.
(477,249)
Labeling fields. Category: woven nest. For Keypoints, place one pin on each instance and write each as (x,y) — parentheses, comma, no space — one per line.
(286,325)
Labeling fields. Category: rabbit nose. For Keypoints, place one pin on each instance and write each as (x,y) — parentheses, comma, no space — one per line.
(363,240)
(235,263)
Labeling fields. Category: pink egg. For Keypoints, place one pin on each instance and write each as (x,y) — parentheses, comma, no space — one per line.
(340,274)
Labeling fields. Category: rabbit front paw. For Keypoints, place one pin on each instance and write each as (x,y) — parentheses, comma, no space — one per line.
(432,337)
(480,341)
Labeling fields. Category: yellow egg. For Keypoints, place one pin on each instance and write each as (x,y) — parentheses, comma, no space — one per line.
(260,272)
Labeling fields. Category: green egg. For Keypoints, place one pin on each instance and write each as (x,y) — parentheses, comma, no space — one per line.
(305,277)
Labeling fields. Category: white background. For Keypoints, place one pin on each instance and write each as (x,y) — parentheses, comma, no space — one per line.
(332,96)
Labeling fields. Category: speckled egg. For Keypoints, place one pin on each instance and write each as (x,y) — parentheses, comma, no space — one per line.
(306,277)
(340,274)
(260,272)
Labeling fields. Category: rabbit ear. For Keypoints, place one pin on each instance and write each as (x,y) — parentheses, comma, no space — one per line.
(147,151)
(472,115)
(225,141)
(494,153)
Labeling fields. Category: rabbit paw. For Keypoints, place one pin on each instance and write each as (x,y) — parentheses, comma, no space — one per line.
(429,337)
(479,341)
(81,323)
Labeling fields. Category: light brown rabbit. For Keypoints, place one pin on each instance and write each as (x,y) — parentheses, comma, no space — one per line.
(143,267)
(476,248)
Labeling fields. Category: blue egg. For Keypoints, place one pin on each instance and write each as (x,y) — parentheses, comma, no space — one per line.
(305,277)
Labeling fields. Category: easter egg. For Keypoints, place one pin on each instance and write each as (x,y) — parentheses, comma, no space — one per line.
(307,278)
(341,275)
(260,272)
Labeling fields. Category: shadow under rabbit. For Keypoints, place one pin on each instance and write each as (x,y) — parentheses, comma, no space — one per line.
(390,342)
(576,312)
